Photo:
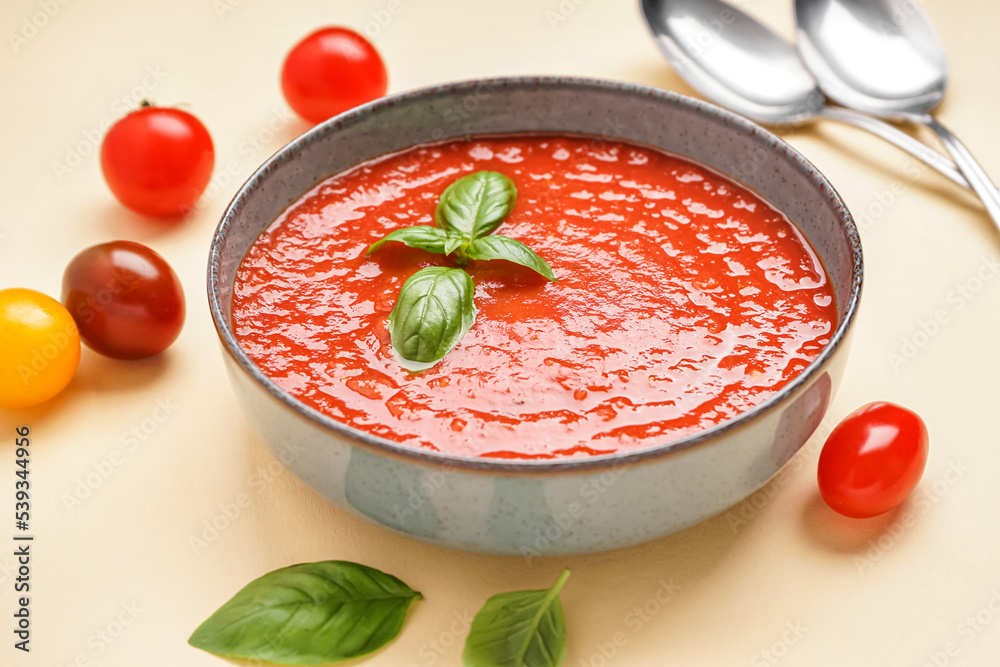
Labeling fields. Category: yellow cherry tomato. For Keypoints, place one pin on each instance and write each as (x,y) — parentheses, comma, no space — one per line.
(39,348)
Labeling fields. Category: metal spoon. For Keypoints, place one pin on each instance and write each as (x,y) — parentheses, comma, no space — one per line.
(885,58)
(741,64)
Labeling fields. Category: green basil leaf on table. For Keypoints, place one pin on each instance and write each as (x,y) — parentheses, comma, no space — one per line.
(476,204)
(519,629)
(434,310)
(502,247)
(308,614)
(424,237)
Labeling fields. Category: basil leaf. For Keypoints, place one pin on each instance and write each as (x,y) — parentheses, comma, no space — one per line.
(425,237)
(476,204)
(519,629)
(308,614)
(454,241)
(433,312)
(501,247)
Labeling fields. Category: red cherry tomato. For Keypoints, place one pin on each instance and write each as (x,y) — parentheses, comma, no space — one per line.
(872,460)
(125,298)
(157,161)
(331,71)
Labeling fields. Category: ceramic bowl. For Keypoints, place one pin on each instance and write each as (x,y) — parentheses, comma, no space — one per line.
(541,508)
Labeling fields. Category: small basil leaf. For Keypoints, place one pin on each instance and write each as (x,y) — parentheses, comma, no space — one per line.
(519,629)
(501,247)
(308,614)
(425,237)
(433,312)
(476,204)
(454,241)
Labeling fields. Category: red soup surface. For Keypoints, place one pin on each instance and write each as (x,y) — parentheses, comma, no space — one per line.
(683,299)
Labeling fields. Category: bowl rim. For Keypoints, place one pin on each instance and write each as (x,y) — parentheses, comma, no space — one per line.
(531,466)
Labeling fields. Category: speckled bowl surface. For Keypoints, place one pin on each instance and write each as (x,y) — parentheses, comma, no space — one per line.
(555,507)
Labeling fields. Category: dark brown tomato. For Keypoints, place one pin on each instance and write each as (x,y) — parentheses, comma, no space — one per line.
(126,300)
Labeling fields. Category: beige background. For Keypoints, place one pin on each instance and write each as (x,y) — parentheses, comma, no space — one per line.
(778,573)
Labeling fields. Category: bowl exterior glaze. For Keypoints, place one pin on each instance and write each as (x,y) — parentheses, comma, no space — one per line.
(541,508)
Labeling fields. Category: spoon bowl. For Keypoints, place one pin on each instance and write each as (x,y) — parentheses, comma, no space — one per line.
(733,59)
(884,57)
(878,56)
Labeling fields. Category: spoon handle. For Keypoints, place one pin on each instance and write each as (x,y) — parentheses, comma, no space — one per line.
(898,138)
(971,169)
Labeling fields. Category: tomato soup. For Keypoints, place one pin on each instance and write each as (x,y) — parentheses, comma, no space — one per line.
(683,299)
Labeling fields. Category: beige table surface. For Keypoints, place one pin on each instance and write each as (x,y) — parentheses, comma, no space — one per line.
(779,579)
